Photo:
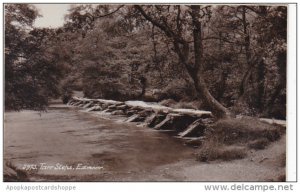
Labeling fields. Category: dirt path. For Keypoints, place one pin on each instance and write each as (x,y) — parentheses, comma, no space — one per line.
(118,151)
(264,165)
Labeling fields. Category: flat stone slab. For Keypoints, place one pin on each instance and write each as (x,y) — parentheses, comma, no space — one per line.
(186,122)
(194,129)
(274,121)
(99,100)
(157,107)
(135,118)
(94,108)
(146,105)
(198,113)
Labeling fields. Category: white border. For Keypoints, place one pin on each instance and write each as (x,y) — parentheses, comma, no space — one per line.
(186,186)
(291,94)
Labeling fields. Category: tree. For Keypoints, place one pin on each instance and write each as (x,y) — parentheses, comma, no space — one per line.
(224,54)
(272,27)
(251,39)
(31,74)
(159,16)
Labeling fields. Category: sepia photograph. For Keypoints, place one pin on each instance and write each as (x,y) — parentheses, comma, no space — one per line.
(145,92)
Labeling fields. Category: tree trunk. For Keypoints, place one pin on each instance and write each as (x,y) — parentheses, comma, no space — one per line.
(281,63)
(217,108)
(143,82)
(260,85)
(246,76)
(221,85)
(181,47)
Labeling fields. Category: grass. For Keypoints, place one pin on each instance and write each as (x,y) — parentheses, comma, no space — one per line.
(259,144)
(225,153)
(231,138)
(282,160)
(21,175)
(231,131)
(281,178)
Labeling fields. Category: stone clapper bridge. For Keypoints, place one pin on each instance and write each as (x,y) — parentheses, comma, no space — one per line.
(187,124)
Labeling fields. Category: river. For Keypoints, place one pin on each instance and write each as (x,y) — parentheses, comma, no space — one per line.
(67,144)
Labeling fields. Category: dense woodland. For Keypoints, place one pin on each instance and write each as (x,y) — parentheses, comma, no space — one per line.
(229,59)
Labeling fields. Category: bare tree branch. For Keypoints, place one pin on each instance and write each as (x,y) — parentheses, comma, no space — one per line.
(164,28)
(105,15)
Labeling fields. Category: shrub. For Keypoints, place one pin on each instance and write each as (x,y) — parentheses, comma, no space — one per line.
(259,143)
(228,139)
(178,90)
(243,130)
(109,90)
(226,153)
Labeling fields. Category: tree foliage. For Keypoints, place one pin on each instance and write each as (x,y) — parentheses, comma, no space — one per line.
(232,58)
(31,71)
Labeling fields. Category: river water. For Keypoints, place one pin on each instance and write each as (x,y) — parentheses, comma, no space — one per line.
(66,144)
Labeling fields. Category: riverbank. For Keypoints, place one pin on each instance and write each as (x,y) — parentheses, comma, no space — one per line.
(119,151)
